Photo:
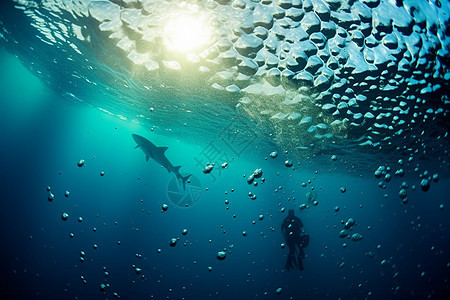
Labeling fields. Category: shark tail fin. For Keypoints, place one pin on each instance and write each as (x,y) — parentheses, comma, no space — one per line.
(185,178)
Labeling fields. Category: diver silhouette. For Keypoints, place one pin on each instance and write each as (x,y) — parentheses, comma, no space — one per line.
(296,240)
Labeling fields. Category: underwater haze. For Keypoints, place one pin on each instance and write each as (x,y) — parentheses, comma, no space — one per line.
(218,149)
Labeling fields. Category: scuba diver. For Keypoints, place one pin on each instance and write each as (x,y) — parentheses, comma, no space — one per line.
(296,240)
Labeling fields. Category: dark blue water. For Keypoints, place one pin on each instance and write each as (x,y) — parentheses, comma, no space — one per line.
(44,137)
(115,242)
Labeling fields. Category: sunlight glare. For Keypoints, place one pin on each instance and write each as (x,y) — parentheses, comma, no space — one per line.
(185,33)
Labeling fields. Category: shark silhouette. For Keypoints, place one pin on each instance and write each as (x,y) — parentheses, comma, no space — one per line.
(158,155)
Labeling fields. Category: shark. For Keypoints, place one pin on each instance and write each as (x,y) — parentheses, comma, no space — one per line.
(158,155)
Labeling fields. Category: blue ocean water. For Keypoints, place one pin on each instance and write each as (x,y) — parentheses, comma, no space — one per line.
(120,248)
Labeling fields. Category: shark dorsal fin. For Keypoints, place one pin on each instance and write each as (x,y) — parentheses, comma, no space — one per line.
(162,149)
